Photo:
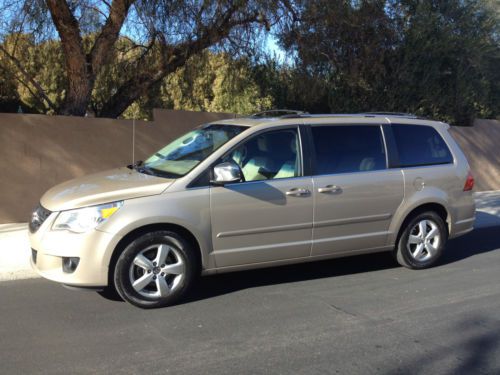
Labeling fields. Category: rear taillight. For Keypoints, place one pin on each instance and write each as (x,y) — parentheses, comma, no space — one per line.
(469,182)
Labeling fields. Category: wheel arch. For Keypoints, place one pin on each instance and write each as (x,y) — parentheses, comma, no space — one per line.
(139,231)
(436,207)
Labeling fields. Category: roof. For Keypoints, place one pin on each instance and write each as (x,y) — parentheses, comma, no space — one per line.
(291,117)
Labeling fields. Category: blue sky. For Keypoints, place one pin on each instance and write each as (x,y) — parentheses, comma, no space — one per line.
(273,47)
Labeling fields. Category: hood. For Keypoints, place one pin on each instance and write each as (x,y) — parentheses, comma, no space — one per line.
(103,187)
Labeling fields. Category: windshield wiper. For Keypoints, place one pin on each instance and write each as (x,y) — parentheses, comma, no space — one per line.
(160,173)
(140,167)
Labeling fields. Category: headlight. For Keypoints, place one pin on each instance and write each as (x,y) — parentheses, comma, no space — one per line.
(84,219)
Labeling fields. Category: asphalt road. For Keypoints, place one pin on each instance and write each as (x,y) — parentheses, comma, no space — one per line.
(359,315)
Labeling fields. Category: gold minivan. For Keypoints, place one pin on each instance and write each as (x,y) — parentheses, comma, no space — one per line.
(266,190)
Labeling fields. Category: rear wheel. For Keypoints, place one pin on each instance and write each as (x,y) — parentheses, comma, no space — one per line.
(422,241)
(156,269)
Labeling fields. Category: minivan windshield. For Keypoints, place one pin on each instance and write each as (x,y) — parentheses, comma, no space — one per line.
(183,154)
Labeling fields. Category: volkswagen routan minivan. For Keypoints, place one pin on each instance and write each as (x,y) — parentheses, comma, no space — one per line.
(265,190)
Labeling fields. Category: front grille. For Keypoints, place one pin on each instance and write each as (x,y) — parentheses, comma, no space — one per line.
(40,214)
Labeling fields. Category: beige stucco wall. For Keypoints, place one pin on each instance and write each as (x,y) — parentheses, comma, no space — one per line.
(39,151)
(481,144)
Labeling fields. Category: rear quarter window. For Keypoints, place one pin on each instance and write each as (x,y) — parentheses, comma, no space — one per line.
(420,145)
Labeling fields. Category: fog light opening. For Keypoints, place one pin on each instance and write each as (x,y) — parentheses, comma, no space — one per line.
(70,264)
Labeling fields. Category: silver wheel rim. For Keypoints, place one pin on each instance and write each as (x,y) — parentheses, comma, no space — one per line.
(424,240)
(157,271)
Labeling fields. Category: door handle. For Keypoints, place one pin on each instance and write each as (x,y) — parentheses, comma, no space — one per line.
(330,189)
(297,192)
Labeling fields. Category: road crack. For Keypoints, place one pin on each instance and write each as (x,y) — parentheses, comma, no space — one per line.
(341,310)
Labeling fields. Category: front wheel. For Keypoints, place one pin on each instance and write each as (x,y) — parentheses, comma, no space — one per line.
(156,270)
(422,241)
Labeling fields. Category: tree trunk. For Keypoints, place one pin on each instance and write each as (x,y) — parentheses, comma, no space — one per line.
(82,68)
(79,86)
(79,89)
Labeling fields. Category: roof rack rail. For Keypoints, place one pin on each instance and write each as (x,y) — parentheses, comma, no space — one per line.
(402,114)
(282,113)
(290,113)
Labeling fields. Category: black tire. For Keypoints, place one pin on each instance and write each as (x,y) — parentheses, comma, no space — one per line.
(404,250)
(184,251)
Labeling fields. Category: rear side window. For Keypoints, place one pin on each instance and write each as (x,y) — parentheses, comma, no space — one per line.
(349,148)
(420,145)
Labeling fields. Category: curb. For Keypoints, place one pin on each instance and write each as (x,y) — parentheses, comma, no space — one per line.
(18,275)
(15,252)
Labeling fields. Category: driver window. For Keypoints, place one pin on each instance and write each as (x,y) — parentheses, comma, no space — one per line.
(268,156)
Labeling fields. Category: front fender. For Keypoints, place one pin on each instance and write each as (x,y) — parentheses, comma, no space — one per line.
(189,209)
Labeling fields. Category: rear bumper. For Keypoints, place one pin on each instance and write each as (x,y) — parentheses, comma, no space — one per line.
(462,214)
(462,227)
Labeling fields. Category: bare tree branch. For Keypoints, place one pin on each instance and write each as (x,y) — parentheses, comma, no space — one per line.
(40,93)
(101,51)
(173,57)
(168,34)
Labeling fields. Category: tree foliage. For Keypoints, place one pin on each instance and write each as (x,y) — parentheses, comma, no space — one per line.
(32,66)
(123,58)
(447,64)
(215,83)
(164,34)
(436,58)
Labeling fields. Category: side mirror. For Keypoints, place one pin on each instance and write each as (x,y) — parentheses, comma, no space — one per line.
(226,173)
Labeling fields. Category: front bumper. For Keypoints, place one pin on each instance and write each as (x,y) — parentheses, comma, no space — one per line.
(93,249)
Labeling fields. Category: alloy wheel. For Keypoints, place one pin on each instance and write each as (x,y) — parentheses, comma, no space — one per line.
(157,271)
(424,240)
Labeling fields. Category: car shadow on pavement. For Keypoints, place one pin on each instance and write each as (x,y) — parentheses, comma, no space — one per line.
(476,352)
(481,240)
(216,285)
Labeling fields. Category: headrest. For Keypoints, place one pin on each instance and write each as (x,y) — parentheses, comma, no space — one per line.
(262,144)
(293,145)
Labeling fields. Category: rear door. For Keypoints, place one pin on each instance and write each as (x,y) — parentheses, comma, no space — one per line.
(355,193)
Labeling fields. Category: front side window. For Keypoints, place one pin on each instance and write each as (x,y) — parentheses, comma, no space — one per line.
(269,156)
(186,152)
(420,145)
(348,148)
